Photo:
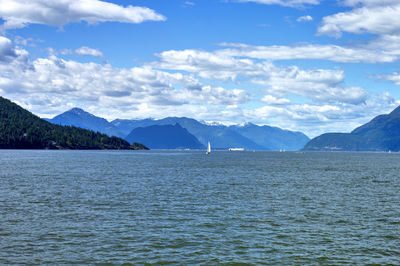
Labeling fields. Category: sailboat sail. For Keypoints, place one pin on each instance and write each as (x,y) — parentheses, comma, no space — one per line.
(208,148)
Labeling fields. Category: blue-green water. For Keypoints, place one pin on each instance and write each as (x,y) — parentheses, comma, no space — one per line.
(88,207)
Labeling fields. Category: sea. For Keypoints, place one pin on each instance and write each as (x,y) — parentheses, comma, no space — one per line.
(186,207)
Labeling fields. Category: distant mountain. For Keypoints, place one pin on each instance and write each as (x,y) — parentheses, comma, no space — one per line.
(125,126)
(250,136)
(20,129)
(165,137)
(272,138)
(80,118)
(380,134)
(221,137)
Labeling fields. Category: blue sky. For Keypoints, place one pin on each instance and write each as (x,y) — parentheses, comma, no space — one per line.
(310,65)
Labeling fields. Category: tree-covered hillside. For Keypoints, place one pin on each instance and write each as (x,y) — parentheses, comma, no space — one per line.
(20,129)
(380,134)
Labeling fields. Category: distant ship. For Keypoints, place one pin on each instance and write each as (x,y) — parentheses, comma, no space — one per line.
(236,149)
(208,148)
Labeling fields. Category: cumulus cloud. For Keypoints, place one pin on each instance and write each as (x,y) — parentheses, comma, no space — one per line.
(11,55)
(394,77)
(107,87)
(319,85)
(315,119)
(369,2)
(272,100)
(19,13)
(7,50)
(380,50)
(82,51)
(32,42)
(288,3)
(304,18)
(210,65)
(376,18)
(88,51)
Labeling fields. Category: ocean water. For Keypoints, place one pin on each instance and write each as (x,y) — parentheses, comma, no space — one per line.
(183,207)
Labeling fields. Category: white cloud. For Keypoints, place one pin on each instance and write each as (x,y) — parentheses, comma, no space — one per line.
(304,18)
(88,51)
(394,77)
(272,100)
(82,51)
(12,56)
(26,41)
(210,65)
(288,3)
(315,119)
(373,18)
(189,3)
(319,85)
(7,50)
(235,57)
(111,89)
(369,2)
(19,13)
(382,49)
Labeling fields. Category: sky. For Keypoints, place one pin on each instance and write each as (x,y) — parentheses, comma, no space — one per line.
(314,66)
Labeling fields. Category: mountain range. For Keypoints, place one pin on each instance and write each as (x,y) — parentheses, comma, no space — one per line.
(75,129)
(220,136)
(380,134)
(248,136)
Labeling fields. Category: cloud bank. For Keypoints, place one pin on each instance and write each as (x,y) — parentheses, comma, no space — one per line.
(287,3)
(84,51)
(20,13)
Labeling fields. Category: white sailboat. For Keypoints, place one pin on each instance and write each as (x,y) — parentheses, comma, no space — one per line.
(208,148)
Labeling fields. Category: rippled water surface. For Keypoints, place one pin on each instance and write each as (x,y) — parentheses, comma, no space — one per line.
(117,207)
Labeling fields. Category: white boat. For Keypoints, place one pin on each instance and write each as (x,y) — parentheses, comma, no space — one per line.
(208,148)
(236,149)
